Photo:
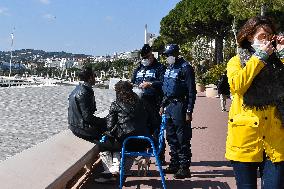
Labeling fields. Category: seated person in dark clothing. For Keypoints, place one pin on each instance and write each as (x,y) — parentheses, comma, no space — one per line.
(128,116)
(82,107)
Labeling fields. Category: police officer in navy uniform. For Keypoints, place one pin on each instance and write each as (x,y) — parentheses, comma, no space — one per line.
(179,97)
(149,77)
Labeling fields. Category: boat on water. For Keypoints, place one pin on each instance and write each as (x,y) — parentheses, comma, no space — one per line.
(27,81)
(13,81)
(33,81)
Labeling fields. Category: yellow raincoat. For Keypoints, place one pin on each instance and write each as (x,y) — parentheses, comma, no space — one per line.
(251,131)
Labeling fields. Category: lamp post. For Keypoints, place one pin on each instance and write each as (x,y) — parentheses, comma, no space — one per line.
(145,35)
(12,41)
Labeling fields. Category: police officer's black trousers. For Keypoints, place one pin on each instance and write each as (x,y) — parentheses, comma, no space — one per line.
(154,107)
(178,135)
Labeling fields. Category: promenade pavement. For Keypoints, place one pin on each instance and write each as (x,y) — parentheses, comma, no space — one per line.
(209,168)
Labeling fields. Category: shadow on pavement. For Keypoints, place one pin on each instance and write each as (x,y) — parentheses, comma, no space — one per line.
(180,184)
(200,96)
(213,174)
(223,169)
(212,163)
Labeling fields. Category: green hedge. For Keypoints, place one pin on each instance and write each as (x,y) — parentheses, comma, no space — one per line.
(213,74)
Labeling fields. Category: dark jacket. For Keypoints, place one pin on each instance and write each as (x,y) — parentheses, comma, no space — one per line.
(153,73)
(129,120)
(179,82)
(223,85)
(82,107)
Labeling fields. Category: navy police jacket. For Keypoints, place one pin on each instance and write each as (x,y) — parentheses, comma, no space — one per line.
(153,73)
(179,83)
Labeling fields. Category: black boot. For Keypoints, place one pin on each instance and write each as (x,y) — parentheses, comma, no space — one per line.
(162,159)
(163,162)
(171,169)
(182,173)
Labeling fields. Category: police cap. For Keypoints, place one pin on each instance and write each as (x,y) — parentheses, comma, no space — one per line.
(145,50)
(171,49)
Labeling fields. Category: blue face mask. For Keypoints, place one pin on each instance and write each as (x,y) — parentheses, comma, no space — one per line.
(171,59)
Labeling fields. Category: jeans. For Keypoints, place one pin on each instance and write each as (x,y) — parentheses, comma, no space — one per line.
(223,101)
(272,174)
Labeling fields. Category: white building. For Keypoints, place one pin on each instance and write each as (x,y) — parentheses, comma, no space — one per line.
(52,63)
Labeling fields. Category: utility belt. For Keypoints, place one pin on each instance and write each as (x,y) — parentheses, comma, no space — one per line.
(173,99)
(176,98)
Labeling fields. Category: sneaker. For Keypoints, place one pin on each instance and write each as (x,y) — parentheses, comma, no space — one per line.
(171,170)
(182,173)
(114,169)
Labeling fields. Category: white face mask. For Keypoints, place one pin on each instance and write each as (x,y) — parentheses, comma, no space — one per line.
(145,62)
(171,60)
(256,44)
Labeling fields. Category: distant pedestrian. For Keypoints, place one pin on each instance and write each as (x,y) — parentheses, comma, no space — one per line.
(82,106)
(255,140)
(179,98)
(223,90)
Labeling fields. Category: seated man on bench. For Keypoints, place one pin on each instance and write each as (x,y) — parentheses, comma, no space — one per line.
(82,106)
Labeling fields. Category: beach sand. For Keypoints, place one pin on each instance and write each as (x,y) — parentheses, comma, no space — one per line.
(33,114)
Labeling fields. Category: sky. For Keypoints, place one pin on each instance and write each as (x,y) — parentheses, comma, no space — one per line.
(93,27)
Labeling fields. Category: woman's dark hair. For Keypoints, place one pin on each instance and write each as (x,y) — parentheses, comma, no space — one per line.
(250,28)
(124,92)
(86,74)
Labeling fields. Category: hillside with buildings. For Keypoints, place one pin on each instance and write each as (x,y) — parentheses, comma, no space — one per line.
(38,61)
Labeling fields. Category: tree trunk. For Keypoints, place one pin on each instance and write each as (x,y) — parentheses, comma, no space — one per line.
(263,9)
(219,49)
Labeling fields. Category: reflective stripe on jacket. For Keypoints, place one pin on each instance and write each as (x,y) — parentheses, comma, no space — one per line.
(251,131)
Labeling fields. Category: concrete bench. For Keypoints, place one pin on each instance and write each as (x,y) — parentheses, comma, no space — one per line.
(50,164)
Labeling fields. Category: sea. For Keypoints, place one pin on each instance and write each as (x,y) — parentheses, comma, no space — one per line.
(31,115)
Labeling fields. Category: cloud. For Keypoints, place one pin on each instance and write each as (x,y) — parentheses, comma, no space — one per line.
(4,11)
(109,18)
(49,17)
(46,2)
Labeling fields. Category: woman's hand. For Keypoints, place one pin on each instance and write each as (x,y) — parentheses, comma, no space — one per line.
(145,84)
(188,117)
(267,47)
(280,43)
(161,111)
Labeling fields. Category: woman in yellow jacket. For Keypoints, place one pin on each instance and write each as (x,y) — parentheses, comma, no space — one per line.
(255,138)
